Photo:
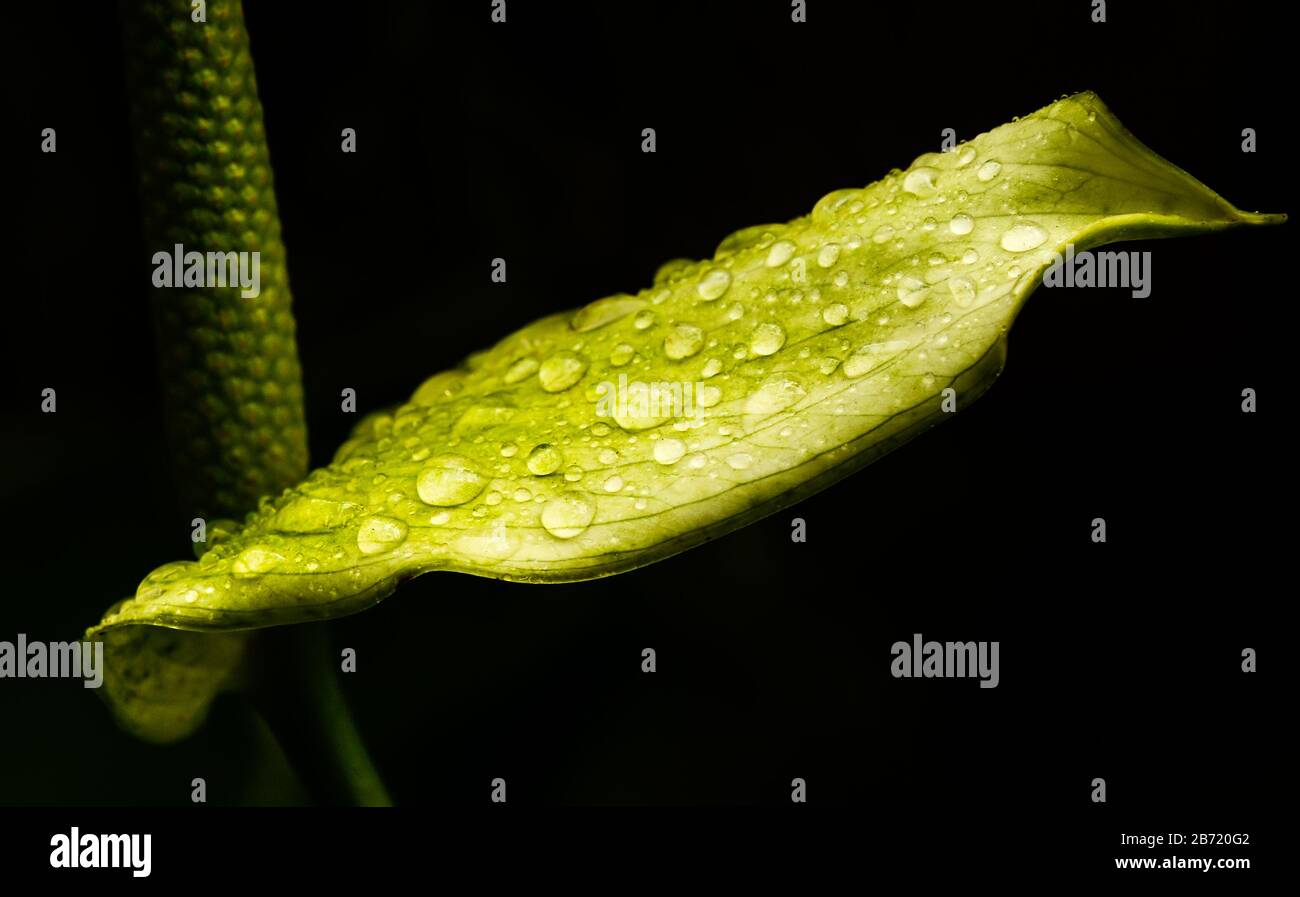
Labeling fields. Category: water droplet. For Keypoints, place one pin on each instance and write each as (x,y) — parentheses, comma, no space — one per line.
(522,494)
(872,356)
(509,450)
(621,355)
(711,368)
(829,255)
(965,156)
(713,284)
(921,181)
(560,371)
(440,518)
(963,291)
(378,534)
(544,460)
(683,341)
(449,480)
(882,234)
(644,320)
(481,417)
(970,257)
(614,483)
(256,560)
(1023,237)
(767,339)
(961,224)
(567,516)
(911,292)
(573,474)
(708,396)
(669,451)
(841,278)
(836,314)
(780,253)
(989,170)
(605,311)
(740,461)
(736,312)
(777,393)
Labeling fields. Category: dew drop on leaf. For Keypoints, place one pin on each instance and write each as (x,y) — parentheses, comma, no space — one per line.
(379,534)
(544,460)
(669,451)
(1023,237)
(561,371)
(683,341)
(449,480)
(713,284)
(567,516)
(989,170)
(767,339)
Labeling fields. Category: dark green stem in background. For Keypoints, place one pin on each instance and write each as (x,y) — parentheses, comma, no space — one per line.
(229,362)
(299,695)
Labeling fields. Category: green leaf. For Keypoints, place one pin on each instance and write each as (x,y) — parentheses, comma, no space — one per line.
(160,682)
(807,350)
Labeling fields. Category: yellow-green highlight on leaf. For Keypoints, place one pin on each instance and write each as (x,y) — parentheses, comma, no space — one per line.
(810,348)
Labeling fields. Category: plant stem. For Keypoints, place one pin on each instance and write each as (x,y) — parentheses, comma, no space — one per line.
(297,691)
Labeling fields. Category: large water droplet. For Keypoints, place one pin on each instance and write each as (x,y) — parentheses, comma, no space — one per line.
(961,224)
(829,254)
(872,356)
(621,355)
(256,560)
(767,339)
(521,370)
(683,341)
(605,311)
(1023,237)
(780,253)
(911,291)
(544,460)
(963,291)
(481,417)
(669,451)
(989,170)
(713,284)
(836,314)
(448,480)
(965,156)
(560,371)
(777,393)
(378,534)
(568,515)
(740,461)
(921,181)
(307,514)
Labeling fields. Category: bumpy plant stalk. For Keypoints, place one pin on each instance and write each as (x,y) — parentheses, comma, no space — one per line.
(230,373)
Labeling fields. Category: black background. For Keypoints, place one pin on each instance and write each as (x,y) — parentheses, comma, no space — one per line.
(522,141)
